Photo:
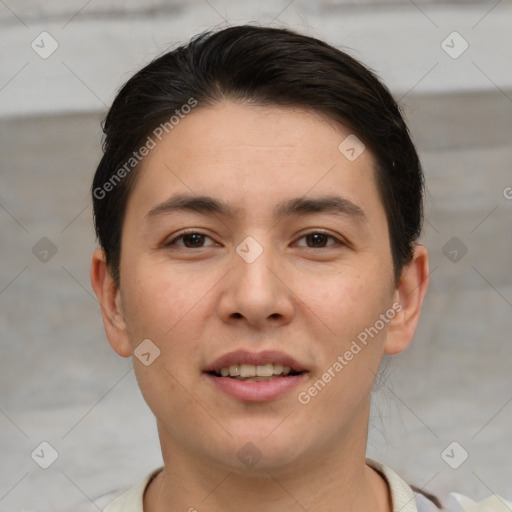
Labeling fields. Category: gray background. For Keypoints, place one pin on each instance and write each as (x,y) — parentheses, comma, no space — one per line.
(60,381)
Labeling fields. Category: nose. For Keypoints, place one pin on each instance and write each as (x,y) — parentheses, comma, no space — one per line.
(256,291)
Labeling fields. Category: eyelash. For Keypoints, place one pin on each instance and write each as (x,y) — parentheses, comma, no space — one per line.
(192,232)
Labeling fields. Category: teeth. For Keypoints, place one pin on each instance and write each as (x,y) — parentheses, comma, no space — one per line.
(278,369)
(251,370)
(247,370)
(265,370)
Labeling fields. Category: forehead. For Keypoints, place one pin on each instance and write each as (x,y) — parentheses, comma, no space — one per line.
(253,158)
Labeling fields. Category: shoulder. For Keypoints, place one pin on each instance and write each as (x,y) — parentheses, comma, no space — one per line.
(132,500)
(404,498)
(408,498)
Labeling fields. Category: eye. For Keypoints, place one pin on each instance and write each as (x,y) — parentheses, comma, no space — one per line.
(191,240)
(318,240)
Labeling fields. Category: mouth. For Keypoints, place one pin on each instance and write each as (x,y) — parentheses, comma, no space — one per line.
(255,377)
(255,373)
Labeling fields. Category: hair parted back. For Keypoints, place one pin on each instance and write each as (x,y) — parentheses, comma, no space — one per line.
(265,66)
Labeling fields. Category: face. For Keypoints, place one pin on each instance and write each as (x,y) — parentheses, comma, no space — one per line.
(252,244)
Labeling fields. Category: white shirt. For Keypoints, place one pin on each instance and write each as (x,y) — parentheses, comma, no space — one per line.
(402,496)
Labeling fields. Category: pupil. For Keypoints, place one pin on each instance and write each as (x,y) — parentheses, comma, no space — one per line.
(318,239)
(196,239)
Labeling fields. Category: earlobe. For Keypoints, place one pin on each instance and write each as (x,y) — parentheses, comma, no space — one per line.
(109,297)
(409,293)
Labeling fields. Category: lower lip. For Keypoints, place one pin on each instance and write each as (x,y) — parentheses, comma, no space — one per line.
(256,391)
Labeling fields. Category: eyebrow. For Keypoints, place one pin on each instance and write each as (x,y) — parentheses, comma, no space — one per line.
(207,205)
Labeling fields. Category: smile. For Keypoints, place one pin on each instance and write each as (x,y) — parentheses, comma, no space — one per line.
(255,377)
(251,372)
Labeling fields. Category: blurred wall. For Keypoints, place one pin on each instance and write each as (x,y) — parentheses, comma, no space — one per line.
(450,67)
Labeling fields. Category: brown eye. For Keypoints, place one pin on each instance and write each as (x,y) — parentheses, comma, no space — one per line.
(192,240)
(319,240)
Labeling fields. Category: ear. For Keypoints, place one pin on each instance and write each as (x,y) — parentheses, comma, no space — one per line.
(409,294)
(109,297)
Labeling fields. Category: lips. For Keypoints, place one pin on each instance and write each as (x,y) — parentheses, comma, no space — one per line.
(255,376)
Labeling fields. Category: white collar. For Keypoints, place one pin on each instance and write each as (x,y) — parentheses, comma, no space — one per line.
(403,498)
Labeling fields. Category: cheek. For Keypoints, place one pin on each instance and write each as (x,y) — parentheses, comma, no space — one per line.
(162,300)
(169,309)
(351,352)
(172,308)
(347,303)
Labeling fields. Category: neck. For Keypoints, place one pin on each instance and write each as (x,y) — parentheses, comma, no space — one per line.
(336,480)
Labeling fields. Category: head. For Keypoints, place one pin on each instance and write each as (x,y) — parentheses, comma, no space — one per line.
(259,193)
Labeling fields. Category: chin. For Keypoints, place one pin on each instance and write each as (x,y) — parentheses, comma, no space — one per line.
(251,454)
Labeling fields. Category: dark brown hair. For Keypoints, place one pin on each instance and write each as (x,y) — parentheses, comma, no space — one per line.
(267,66)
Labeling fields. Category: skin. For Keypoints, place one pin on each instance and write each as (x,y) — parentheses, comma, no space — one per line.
(308,297)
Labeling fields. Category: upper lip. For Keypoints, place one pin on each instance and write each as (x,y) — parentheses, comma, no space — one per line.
(255,358)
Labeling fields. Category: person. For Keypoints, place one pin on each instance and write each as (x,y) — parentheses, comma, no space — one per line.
(258,207)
